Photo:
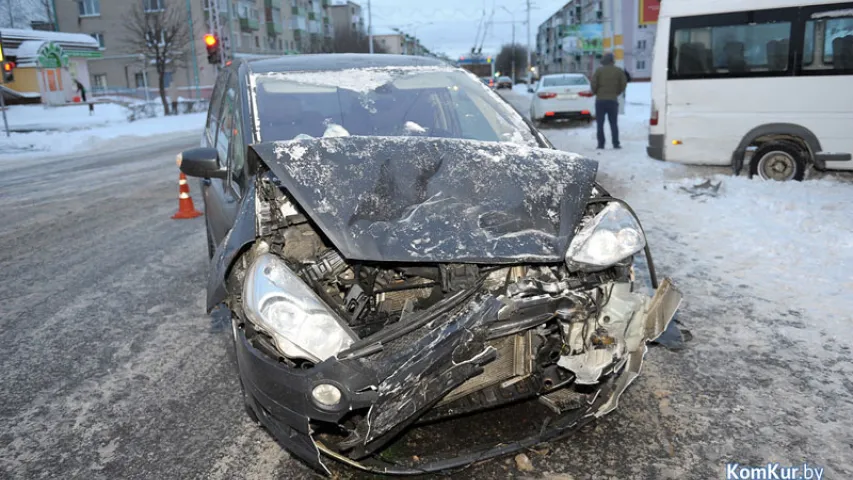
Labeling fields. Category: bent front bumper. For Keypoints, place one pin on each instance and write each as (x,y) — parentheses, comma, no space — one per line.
(398,386)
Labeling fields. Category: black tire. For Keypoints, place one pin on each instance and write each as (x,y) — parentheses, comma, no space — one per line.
(780,161)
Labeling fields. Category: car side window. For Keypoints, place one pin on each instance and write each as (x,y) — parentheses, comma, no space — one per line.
(215,109)
(230,142)
(237,159)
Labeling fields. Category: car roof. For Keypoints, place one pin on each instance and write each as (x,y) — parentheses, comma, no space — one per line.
(338,61)
(553,75)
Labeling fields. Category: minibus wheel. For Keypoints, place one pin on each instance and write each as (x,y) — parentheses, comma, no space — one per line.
(780,161)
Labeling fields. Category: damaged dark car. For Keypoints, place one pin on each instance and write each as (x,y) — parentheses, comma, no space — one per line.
(404,257)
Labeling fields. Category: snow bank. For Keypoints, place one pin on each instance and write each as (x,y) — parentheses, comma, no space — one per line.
(40,144)
(38,117)
(521,89)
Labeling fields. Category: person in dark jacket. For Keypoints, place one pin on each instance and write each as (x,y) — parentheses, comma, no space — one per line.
(82,91)
(608,83)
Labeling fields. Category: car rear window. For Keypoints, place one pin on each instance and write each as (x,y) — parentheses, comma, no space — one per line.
(565,81)
(437,102)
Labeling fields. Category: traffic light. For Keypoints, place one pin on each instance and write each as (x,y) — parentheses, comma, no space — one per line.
(8,72)
(212,44)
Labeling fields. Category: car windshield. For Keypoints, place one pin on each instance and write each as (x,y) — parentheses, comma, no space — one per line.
(404,101)
(564,81)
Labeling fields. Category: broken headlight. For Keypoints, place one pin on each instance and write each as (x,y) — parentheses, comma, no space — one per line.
(280,304)
(612,235)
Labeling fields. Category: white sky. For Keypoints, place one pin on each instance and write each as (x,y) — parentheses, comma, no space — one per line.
(449,26)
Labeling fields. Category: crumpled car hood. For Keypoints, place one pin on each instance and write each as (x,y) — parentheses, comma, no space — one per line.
(414,199)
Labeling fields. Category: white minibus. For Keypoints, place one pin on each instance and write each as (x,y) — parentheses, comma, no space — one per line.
(763,84)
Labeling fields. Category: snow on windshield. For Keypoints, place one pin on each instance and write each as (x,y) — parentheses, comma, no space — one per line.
(438,102)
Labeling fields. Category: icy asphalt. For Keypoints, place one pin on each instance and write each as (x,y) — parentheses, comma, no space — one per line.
(111,369)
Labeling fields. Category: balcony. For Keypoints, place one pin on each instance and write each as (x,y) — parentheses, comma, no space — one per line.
(294,10)
(249,25)
(312,16)
(272,3)
(274,28)
(324,3)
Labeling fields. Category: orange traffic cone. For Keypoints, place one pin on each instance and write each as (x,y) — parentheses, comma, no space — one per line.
(186,209)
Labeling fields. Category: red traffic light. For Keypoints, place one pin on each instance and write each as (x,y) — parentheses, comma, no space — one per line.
(8,66)
(209,40)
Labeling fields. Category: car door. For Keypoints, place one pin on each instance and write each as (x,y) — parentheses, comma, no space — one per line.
(210,192)
(225,193)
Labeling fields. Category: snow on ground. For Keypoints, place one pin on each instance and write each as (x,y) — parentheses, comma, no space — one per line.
(521,89)
(765,269)
(113,132)
(70,117)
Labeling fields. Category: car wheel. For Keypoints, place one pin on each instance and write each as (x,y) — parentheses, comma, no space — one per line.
(779,161)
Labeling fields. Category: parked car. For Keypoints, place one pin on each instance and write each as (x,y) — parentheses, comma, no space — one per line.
(397,247)
(561,97)
(504,82)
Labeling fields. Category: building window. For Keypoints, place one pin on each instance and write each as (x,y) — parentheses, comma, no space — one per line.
(641,64)
(153,5)
(152,37)
(257,42)
(641,44)
(99,80)
(89,8)
(139,78)
(100,38)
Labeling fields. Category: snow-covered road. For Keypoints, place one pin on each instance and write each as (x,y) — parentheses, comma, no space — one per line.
(767,273)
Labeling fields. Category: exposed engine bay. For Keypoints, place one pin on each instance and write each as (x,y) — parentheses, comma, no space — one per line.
(435,341)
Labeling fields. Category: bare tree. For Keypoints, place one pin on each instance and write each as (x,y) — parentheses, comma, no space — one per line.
(354,42)
(161,35)
(505,60)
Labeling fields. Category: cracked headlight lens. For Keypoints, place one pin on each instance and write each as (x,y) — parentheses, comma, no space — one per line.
(612,235)
(279,303)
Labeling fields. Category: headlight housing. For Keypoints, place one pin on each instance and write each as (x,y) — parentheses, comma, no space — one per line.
(278,302)
(612,235)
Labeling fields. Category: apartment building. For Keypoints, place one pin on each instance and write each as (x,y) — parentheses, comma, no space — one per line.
(347,19)
(556,54)
(398,43)
(248,29)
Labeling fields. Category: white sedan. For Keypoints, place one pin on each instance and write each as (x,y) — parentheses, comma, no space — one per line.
(566,96)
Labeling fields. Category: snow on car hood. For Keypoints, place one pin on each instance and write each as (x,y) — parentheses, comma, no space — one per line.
(414,199)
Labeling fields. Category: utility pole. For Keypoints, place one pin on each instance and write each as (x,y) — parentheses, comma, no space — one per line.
(192,49)
(529,49)
(513,52)
(512,49)
(370,26)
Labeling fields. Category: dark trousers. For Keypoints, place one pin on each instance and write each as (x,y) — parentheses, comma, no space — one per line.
(610,108)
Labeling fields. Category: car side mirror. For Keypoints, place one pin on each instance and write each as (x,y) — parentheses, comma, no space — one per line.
(529,89)
(201,162)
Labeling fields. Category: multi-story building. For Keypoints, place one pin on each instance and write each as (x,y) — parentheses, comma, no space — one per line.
(555,54)
(399,43)
(248,28)
(347,19)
